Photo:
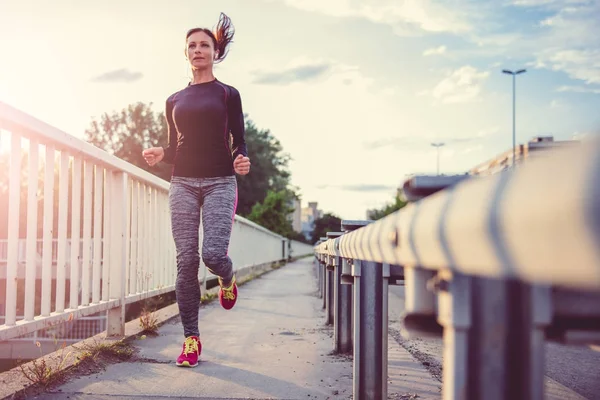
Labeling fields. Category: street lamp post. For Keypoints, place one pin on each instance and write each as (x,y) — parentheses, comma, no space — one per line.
(438,145)
(514,74)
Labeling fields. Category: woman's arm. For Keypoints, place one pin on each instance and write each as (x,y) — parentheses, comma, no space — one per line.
(236,124)
(171,133)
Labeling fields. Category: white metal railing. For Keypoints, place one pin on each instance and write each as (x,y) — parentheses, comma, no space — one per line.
(106,243)
(498,264)
(77,330)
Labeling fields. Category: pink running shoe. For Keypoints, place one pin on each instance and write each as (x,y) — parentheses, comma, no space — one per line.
(191,352)
(228,295)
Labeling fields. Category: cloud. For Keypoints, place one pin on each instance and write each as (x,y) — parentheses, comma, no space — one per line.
(579,89)
(473,149)
(405,141)
(292,74)
(578,64)
(118,75)
(487,132)
(568,35)
(546,3)
(460,86)
(435,51)
(359,187)
(408,17)
(557,104)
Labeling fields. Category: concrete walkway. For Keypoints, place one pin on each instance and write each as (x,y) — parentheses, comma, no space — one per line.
(272,345)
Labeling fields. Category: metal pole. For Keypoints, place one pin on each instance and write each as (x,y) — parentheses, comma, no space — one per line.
(437,146)
(329,303)
(514,77)
(324,285)
(514,122)
(386,270)
(343,311)
(356,308)
(368,333)
(319,276)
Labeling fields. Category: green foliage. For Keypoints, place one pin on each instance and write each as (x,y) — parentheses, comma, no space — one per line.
(388,209)
(327,223)
(269,170)
(128,132)
(272,213)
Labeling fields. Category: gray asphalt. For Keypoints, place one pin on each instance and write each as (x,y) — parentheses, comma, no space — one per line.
(575,367)
(76,396)
(272,345)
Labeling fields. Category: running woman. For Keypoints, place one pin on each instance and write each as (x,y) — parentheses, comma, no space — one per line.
(206,147)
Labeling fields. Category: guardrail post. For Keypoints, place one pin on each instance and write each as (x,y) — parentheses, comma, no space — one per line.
(420,304)
(119,238)
(335,271)
(496,354)
(343,310)
(322,282)
(317,262)
(541,297)
(323,275)
(329,301)
(368,382)
(370,346)
(454,315)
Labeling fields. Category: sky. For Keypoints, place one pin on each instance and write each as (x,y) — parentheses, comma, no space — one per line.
(356,91)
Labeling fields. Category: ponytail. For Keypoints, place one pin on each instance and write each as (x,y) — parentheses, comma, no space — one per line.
(221,37)
(224,36)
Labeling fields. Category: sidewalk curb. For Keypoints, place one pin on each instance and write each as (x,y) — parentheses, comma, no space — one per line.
(14,385)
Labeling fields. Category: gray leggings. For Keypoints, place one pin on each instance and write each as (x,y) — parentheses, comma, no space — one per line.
(217,197)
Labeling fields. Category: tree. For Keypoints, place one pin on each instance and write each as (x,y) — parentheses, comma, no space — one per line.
(128,132)
(269,170)
(327,223)
(272,213)
(389,208)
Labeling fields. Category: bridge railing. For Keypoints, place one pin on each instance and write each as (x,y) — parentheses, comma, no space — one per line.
(86,232)
(497,265)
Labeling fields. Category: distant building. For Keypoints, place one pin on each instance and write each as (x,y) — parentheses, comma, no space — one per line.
(295,217)
(522,152)
(419,186)
(308,217)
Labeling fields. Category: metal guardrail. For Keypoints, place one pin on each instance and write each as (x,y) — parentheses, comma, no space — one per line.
(496,264)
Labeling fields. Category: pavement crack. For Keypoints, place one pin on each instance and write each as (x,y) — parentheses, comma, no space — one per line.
(151,360)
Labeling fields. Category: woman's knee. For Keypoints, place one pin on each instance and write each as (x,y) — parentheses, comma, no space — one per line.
(215,260)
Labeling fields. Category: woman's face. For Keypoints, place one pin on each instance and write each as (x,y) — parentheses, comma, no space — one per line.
(200,50)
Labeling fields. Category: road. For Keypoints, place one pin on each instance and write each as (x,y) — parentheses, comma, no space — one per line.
(574,371)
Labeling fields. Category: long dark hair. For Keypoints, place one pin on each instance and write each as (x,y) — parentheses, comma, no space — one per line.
(221,37)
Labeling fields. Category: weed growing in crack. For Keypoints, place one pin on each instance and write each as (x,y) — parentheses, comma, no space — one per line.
(43,373)
(148,323)
(104,351)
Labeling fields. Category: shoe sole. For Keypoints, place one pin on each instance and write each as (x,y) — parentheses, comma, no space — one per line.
(186,364)
(227,308)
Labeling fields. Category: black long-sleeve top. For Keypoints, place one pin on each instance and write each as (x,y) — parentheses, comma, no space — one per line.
(200,119)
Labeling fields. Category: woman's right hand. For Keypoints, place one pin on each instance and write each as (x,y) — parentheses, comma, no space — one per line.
(153,155)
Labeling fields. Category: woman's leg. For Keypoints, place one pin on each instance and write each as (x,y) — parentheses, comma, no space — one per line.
(184,202)
(218,211)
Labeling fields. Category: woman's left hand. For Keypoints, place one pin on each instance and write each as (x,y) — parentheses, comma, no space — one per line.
(241,165)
